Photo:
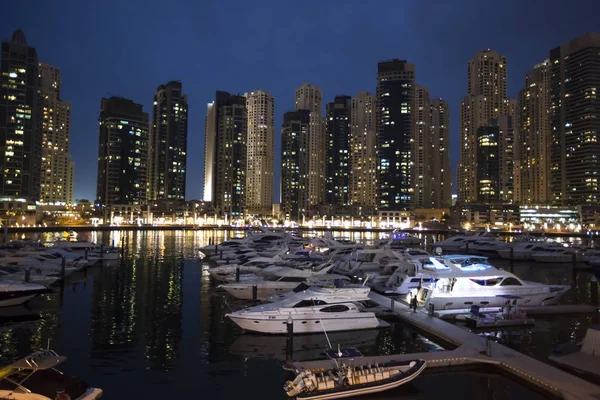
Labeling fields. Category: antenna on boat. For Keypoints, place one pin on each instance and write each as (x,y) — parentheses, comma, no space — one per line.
(48,344)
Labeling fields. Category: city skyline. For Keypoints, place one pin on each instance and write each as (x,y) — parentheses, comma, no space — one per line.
(523,51)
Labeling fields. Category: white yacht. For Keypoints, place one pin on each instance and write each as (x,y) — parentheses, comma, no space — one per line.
(455,287)
(227,273)
(280,280)
(36,263)
(485,247)
(312,311)
(524,250)
(371,262)
(457,243)
(230,244)
(35,275)
(95,251)
(13,293)
(400,238)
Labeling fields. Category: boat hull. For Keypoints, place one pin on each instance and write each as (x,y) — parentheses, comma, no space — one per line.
(277,325)
(465,302)
(244,291)
(15,301)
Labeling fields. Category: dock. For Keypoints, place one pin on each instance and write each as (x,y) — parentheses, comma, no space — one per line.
(471,349)
(542,310)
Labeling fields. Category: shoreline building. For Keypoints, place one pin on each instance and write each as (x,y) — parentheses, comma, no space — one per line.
(260,152)
(226,133)
(20,120)
(423,152)
(122,153)
(395,118)
(575,121)
(294,163)
(167,156)
(58,168)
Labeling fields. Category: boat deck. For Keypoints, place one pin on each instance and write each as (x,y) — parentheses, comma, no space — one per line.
(470,350)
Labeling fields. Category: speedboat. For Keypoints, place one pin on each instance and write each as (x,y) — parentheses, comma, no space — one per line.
(347,379)
(456,287)
(35,378)
(312,311)
(13,293)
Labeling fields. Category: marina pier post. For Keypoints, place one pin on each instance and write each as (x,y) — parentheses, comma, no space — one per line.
(289,344)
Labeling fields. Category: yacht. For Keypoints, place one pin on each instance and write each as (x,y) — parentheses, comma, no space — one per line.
(35,378)
(458,243)
(485,247)
(372,262)
(400,238)
(524,250)
(35,276)
(456,287)
(95,251)
(280,280)
(13,293)
(36,263)
(227,273)
(312,311)
(558,255)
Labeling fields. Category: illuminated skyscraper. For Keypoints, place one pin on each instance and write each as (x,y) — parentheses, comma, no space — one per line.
(294,164)
(395,134)
(423,152)
(57,168)
(20,119)
(363,151)
(122,152)
(575,121)
(533,138)
(485,100)
(309,97)
(168,144)
(441,174)
(487,177)
(260,152)
(337,122)
(226,131)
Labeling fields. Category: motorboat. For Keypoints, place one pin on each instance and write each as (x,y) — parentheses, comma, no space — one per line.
(39,264)
(230,244)
(35,378)
(558,255)
(458,243)
(280,280)
(485,247)
(13,293)
(456,287)
(227,273)
(524,250)
(33,276)
(370,261)
(400,238)
(461,260)
(347,379)
(94,251)
(312,311)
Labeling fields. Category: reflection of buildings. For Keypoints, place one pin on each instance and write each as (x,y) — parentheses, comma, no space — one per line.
(141,304)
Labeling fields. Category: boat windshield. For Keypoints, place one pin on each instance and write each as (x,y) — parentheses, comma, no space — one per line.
(487,281)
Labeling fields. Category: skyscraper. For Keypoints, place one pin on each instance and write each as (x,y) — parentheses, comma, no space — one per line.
(261,152)
(422,155)
(485,100)
(533,138)
(309,97)
(122,152)
(575,119)
(168,144)
(506,140)
(294,163)
(363,151)
(337,158)
(441,174)
(226,129)
(395,134)
(20,119)
(57,167)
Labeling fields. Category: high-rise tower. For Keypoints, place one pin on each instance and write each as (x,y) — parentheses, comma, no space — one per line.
(294,164)
(363,151)
(485,100)
(441,174)
(226,131)
(260,152)
(168,144)
(20,119)
(575,119)
(337,121)
(57,169)
(422,153)
(395,134)
(122,152)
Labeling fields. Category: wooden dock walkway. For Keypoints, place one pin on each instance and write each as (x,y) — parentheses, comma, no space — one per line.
(471,350)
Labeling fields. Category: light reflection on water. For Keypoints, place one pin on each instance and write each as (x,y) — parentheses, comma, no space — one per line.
(155,327)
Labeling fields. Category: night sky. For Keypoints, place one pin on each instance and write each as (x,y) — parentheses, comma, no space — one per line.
(127,48)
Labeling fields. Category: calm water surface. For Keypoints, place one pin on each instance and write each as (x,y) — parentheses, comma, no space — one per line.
(153,326)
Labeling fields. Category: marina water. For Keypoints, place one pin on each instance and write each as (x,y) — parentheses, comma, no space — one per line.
(153,326)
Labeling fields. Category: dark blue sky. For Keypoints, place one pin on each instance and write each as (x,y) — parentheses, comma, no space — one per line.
(128,48)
